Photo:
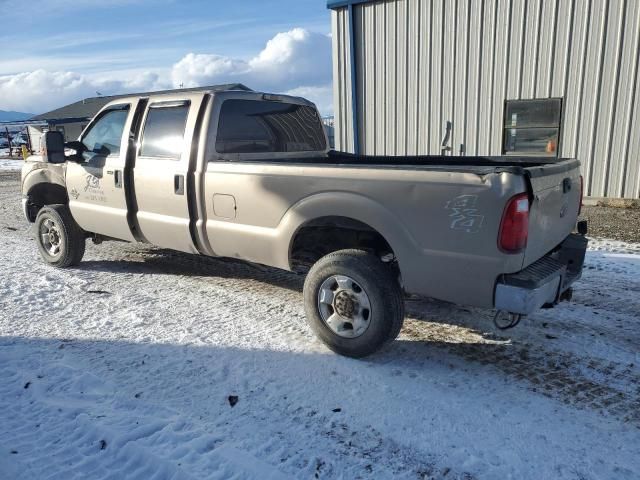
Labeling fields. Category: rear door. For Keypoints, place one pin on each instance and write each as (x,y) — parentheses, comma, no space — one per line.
(96,187)
(554,209)
(162,170)
(249,182)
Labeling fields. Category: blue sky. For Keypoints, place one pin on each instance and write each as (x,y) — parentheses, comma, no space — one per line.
(57,50)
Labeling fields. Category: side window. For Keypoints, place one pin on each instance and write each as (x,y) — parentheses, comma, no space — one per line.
(163,134)
(253,126)
(532,127)
(105,135)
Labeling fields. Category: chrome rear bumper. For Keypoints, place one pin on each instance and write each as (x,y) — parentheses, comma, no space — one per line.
(544,281)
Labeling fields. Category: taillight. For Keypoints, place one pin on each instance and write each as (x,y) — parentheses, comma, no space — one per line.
(514,227)
(581,194)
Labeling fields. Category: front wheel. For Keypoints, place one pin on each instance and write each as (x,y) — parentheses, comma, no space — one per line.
(353,302)
(60,240)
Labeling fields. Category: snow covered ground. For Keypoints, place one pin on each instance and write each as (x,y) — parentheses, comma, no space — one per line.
(128,366)
(8,164)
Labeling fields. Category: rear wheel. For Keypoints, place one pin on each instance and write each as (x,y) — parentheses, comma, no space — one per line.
(60,240)
(353,302)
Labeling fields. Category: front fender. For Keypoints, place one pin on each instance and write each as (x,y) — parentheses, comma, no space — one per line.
(42,173)
(42,183)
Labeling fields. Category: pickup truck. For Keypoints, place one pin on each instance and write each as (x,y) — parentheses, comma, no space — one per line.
(249,175)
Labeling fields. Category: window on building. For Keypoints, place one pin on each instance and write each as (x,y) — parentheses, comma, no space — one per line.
(163,134)
(532,127)
(252,126)
(105,135)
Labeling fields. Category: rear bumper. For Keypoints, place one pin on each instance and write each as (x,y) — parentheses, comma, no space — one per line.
(544,281)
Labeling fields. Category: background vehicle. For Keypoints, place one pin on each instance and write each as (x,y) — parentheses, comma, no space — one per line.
(249,175)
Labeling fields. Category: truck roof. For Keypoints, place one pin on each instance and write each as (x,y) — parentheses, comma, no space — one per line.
(252,94)
(88,107)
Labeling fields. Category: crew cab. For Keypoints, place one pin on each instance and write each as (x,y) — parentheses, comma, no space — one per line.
(249,175)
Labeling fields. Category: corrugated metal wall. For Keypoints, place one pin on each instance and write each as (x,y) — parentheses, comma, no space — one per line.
(421,63)
(342,95)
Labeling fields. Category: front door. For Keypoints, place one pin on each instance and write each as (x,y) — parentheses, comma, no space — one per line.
(162,170)
(96,186)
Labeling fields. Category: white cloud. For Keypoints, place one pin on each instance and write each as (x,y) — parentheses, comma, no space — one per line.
(294,58)
(143,81)
(41,90)
(201,69)
(297,62)
(289,60)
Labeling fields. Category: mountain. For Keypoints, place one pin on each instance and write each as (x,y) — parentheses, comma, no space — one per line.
(14,116)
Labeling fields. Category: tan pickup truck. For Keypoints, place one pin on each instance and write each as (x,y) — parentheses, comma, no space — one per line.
(250,176)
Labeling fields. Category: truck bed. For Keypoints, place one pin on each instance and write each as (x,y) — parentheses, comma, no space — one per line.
(532,166)
(554,207)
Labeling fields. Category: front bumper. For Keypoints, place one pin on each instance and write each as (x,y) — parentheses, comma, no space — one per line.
(543,282)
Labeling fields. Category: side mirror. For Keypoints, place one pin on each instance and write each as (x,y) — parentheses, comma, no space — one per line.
(76,145)
(52,146)
(79,147)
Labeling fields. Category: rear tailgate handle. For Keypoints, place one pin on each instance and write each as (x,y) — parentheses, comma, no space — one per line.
(566,185)
(178,184)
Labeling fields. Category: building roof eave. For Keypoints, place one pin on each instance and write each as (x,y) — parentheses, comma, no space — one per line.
(10,123)
(335,4)
(62,121)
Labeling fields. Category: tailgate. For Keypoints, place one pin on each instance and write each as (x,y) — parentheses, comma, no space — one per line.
(554,209)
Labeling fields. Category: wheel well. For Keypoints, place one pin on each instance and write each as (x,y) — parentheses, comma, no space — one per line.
(43,194)
(319,237)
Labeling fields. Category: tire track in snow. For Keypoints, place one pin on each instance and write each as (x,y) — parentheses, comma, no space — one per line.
(555,374)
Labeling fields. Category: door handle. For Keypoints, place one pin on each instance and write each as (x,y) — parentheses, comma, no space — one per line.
(117,178)
(178,184)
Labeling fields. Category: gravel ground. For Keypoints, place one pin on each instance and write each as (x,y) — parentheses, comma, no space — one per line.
(615,223)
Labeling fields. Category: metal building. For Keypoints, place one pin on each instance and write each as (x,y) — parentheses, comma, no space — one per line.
(406,72)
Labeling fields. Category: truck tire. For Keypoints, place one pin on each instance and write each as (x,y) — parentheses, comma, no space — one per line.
(60,240)
(353,302)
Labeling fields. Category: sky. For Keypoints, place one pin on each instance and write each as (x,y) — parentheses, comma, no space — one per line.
(60,51)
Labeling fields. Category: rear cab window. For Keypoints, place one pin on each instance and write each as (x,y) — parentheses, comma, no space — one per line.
(254,126)
(164,128)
